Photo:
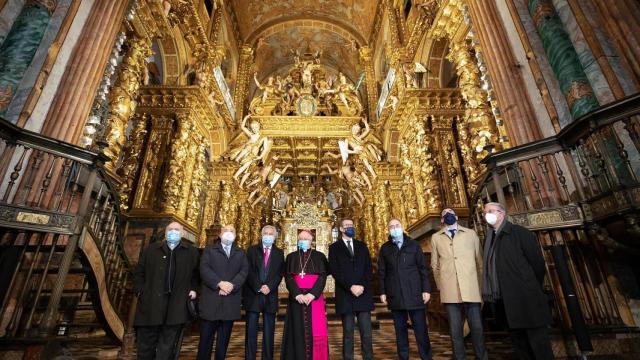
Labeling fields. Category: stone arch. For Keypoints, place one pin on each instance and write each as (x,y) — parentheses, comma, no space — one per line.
(433,54)
(272,27)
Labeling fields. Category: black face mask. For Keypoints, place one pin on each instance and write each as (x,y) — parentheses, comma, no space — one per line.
(449,218)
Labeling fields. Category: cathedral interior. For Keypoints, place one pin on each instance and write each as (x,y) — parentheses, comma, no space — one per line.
(118,117)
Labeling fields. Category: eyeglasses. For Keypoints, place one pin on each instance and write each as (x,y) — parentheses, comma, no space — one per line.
(395,226)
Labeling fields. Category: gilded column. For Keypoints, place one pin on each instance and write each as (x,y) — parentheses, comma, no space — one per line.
(382,212)
(522,124)
(483,132)
(563,58)
(366,58)
(244,223)
(212,204)
(394,26)
(369,225)
(150,178)
(411,204)
(74,98)
(198,185)
(228,203)
(242,79)
(425,161)
(133,154)
(122,101)
(179,172)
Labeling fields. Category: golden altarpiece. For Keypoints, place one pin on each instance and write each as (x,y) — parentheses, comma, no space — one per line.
(303,144)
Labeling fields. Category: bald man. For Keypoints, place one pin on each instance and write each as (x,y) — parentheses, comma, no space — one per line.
(305,327)
(165,276)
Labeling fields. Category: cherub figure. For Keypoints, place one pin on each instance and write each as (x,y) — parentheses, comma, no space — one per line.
(268,90)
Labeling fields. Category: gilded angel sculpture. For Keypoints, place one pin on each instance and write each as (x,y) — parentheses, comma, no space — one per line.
(255,149)
(365,150)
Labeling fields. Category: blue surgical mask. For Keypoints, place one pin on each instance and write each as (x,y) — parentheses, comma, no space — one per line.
(173,238)
(350,232)
(396,233)
(449,218)
(267,240)
(304,245)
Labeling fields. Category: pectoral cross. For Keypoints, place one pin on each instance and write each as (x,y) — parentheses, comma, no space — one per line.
(302,275)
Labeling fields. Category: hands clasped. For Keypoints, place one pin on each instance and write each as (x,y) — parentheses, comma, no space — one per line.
(357,290)
(305,299)
(225,288)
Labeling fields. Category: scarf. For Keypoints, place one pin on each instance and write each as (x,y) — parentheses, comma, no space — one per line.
(490,285)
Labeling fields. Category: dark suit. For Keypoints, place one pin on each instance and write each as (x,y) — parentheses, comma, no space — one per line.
(162,279)
(403,278)
(520,270)
(255,302)
(218,312)
(347,271)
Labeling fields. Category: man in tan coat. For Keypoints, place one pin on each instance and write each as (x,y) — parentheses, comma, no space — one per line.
(456,260)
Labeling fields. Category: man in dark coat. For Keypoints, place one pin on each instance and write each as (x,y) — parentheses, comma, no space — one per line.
(223,269)
(405,288)
(350,266)
(260,293)
(513,275)
(165,276)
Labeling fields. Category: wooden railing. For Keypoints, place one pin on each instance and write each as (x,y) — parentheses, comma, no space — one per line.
(568,189)
(65,269)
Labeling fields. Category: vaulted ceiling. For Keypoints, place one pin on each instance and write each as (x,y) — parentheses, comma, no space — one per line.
(275,28)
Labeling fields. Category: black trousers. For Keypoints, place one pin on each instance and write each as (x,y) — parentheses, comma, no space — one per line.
(532,343)
(366,339)
(208,330)
(157,342)
(420,331)
(251,335)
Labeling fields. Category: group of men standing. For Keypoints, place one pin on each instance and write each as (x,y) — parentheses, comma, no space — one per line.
(508,275)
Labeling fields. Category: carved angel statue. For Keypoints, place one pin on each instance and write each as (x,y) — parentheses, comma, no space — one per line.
(290,91)
(410,78)
(269,89)
(347,93)
(255,149)
(367,151)
(349,173)
(393,103)
(325,90)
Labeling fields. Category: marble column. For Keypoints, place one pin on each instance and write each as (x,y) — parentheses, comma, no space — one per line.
(75,95)
(563,58)
(521,122)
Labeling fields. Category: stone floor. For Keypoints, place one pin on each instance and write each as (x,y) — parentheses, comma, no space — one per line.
(383,343)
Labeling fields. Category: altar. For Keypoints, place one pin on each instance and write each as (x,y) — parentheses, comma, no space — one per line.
(319,222)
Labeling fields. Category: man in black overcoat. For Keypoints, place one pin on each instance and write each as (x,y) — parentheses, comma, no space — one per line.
(260,292)
(223,269)
(512,280)
(164,278)
(405,288)
(350,266)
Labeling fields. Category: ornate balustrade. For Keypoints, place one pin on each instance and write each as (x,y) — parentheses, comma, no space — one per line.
(60,232)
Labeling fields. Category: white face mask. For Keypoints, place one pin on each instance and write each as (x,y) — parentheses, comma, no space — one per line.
(227,238)
(491,218)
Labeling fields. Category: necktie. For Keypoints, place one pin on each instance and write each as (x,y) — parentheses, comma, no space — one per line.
(226,250)
(452,232)
(266,256)
(398,244)
(350,247)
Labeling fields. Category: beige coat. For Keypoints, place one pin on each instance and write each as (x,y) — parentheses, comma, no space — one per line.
(457,265)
